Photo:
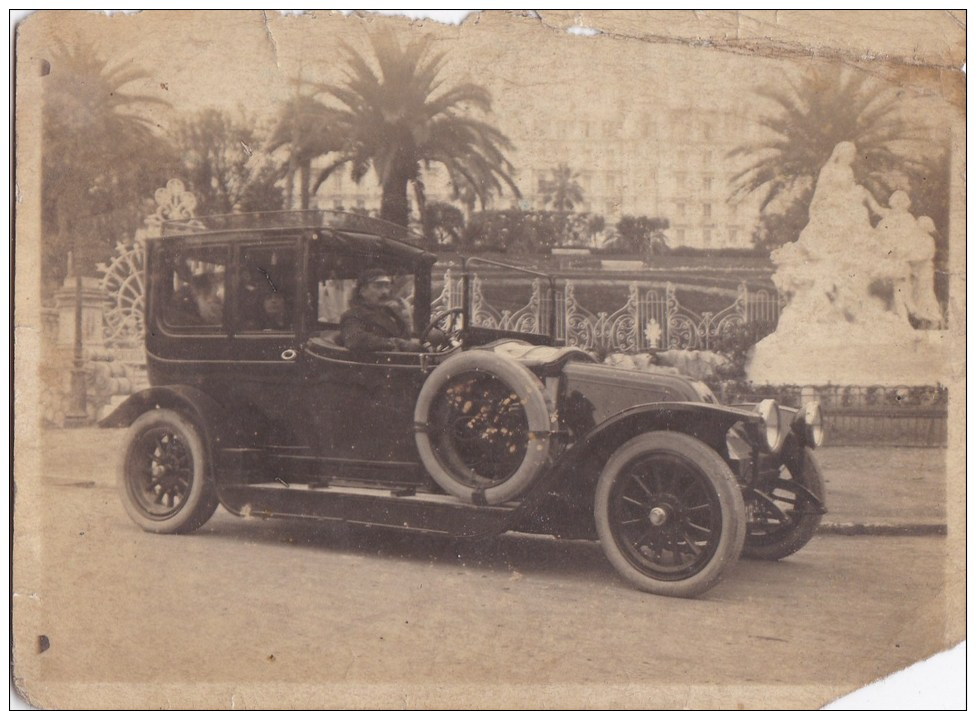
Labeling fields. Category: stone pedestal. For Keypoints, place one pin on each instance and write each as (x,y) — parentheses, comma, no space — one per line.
(93,301)
(849,354)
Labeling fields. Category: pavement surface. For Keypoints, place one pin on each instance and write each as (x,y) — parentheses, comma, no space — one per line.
(870,490)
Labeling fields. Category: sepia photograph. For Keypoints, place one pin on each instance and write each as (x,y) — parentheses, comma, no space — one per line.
(528,359)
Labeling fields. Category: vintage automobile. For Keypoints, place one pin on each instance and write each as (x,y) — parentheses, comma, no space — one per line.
(257,406)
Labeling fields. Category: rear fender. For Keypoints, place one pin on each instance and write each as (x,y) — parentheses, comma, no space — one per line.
(218,429)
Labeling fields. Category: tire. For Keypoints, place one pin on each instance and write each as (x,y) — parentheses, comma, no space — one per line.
(483,425)
(669,514)
(164,476)
(772,535)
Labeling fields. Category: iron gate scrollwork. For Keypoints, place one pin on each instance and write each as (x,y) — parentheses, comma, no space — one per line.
(647,320)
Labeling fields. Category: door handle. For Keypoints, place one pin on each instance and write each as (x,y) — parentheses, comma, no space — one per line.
(289,354)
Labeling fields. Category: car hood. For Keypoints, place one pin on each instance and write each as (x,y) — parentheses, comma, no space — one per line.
(601,390)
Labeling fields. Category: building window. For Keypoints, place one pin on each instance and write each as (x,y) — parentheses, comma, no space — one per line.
(706,209)
(337,204)
(707,237)
(733,234)
(706,183)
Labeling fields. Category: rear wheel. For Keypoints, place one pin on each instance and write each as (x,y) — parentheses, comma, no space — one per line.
(782,519)
(669,513)
(164,477)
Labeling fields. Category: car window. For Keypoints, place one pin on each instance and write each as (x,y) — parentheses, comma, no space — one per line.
(194,287)
(266,291)
(336,284)
(333,299)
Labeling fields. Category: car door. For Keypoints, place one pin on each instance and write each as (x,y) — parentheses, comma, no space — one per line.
(359,405)
(264,376)
(188,337)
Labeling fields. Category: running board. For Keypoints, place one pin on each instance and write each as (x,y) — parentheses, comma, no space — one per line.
(431,513)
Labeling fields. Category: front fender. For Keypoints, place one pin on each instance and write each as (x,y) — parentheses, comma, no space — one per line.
(705,422)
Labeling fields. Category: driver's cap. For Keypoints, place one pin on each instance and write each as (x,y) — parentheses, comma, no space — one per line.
(374,276)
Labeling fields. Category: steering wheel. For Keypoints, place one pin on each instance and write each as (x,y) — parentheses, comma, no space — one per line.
(449,322)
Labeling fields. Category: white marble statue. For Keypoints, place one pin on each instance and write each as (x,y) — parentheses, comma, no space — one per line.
(927,307)
(828,271)
(853,290)
(908,261)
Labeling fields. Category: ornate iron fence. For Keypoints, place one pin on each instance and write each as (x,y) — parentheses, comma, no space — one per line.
(649,318)
(890,415)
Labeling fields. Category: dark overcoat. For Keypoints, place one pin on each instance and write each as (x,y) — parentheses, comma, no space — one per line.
(372,328)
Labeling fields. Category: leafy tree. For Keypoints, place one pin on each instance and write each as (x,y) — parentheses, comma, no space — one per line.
(224,164)
(401,118)
(466,194)
(308,129)
(444,222)
(804,121)
(562,190)
(641,234)
(102,157)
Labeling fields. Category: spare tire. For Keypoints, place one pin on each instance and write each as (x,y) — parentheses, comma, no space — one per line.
(483,424)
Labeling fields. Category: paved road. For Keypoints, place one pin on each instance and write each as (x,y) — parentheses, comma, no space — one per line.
(873,486)
(255,612)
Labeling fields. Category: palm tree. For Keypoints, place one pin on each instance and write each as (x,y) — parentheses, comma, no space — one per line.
(401,119)
(806,119)
(562,190)
(101,156)
(309,130)
(468,197)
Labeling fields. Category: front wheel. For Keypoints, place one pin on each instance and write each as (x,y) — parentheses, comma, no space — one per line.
(164,477)
(783,518)
(669,514)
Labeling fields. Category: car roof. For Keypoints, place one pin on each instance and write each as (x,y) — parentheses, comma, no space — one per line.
(344,229)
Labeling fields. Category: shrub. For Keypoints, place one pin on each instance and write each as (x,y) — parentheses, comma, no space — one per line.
(526,232)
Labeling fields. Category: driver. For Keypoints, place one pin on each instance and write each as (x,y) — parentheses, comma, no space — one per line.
(375,320)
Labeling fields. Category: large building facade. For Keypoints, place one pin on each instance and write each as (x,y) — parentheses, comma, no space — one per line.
(643,137)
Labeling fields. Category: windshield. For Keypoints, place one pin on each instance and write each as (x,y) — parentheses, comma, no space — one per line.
(510,299)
